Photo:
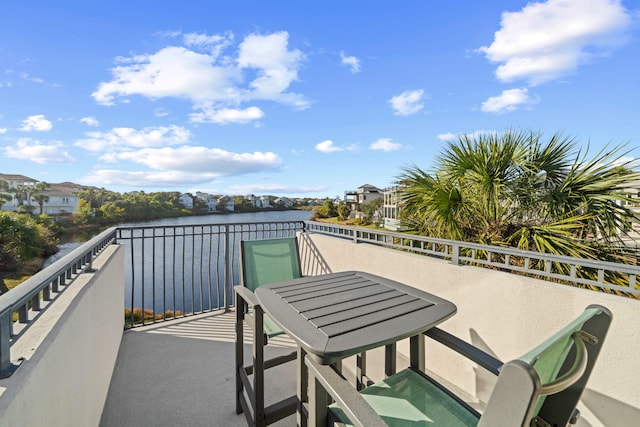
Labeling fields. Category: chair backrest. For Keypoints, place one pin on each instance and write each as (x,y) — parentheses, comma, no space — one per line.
(547,382)
(269,261)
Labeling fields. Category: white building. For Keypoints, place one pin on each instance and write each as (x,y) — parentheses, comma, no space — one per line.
(285,202)
(186,200)
(226,204)
(356,199)
(63,198)
(263,202)
(212,202)
(391,210)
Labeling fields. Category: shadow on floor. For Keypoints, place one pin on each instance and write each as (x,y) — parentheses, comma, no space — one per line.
(181,373)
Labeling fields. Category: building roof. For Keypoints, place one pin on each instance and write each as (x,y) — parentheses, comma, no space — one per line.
(16,177)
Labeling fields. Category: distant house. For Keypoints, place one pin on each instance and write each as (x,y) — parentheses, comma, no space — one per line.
(253,200)
(226,204)
(391,210)
(258,201)
(15,180)
(364,194)
(284,202)
(263,202)
(212,202)
(63,197)
(186,200)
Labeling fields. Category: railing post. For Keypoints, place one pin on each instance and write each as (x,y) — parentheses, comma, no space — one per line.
(227,268)
(5,345)
(455,254)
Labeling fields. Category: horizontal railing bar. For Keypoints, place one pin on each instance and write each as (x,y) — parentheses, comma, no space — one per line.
(451,247)
(27,289)
(46,281)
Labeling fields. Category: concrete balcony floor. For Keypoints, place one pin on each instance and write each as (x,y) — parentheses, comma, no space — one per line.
(181,373)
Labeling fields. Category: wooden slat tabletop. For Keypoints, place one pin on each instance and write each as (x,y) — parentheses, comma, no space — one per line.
(340,314)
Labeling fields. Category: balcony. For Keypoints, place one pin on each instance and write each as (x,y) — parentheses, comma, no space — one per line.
(70,358)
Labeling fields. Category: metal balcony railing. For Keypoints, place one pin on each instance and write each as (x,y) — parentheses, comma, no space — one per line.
(599,275)
(180,270)
(36,293)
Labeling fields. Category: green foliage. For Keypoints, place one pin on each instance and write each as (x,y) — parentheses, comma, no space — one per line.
(327,210)
(83,213)
(516,189)
(5,194)
(343,211)
(38,193)
(22,237)
(371,209)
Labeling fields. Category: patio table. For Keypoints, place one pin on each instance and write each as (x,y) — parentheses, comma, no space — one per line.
(337,315)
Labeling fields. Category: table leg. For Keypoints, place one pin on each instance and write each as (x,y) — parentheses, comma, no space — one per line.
(302,387)
(416,356)
(389,359)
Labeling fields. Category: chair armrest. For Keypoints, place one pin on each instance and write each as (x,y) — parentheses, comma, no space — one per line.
(360,413)
(469,351)
(246,294)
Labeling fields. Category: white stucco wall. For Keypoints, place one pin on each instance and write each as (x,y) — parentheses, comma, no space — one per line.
(69,352)
(504,314)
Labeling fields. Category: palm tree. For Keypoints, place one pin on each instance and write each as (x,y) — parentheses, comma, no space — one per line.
(5,195)
(515,189)
(39,194)
(21,193)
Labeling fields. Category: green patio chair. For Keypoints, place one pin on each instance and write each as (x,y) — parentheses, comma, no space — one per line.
(541,388)
(262,262)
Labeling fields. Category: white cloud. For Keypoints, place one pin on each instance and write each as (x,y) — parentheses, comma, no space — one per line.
(35,151)
(227,115)
(351,61)
(407,103)
(508,100)
(104,177)
(472,135)
(3,130)
(215,41)
(90,121)
(447,136)
(276,189)
(37,123)
(160,112)
(385,144)
(329,147)
(546,40)
(201,160)
(262,68)
(276,66)
(125,138)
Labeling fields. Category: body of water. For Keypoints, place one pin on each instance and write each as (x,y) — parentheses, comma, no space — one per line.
(179,266)
(247,217)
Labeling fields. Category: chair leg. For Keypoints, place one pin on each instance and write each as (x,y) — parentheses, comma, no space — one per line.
(302,387)
(239,351)
(320,401)
(258,367)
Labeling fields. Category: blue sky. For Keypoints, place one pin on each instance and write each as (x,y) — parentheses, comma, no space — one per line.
(304,99)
